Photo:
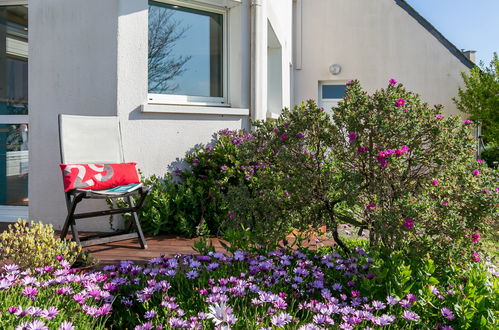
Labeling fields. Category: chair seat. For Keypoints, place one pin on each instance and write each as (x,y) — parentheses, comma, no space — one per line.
(95,194)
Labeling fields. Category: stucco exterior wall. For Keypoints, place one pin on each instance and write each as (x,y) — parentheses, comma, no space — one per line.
(72,70)
(90,58)
(156,140)
(373,41)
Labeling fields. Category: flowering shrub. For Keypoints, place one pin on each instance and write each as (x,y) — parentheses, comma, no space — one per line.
(417,170)
(385,162)
(279,289)
(189,201)
(35,245)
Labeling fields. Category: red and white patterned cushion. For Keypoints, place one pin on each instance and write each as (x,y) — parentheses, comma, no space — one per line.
(98,176)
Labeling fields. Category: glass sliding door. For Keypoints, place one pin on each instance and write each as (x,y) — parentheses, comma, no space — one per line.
(14,129)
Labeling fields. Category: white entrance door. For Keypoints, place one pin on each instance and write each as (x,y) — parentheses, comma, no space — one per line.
(330,93)
(13,110)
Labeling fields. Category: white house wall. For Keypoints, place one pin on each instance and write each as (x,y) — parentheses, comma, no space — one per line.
(72,70)
(373,41)
(90,57)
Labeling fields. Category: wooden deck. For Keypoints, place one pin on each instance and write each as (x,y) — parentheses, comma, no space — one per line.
(157,245)
(168,245)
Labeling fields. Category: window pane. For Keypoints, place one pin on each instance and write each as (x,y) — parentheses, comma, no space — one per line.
(14,164)
(185,51)
(333,91)
(13,60)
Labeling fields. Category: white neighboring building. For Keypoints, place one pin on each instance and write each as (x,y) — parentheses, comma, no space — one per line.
(244,60)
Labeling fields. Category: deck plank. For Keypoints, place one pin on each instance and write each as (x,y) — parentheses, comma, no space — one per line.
(168,245)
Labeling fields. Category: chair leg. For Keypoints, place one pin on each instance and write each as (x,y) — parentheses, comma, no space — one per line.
(76,236)
(142,239)
(70,221)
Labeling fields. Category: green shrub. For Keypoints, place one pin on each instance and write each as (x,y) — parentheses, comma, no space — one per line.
(385,162)
(190,201)
(35,245)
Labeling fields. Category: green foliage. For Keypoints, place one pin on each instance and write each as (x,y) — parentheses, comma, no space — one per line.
(35,245)
(480,99)
(386,162)
(469,290)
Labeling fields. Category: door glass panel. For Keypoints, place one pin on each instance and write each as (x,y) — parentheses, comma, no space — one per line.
(14,164)
(13,101)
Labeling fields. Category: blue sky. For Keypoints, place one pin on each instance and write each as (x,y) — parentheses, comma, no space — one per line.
(468,24)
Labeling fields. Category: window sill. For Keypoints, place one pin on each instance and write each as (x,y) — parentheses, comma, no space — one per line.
(194,110)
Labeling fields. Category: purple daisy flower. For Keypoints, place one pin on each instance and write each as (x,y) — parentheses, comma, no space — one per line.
(447,313)
(410,316)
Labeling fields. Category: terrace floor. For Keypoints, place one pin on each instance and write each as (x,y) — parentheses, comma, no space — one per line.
(168,245)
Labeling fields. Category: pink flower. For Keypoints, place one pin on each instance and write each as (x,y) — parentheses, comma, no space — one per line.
(485,191)
(400,102)
(362,149)
(476,257)
(405,110)
(392,81)
(476,173)
(30,292)
(300,135)
(283,137)
(466,122)
(439,116)
(370,206)
(434,182)
(352,136)
(408,224)
(475,237)
(479,160)
(445,203)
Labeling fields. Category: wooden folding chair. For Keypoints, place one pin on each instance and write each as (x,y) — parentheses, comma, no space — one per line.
(96,140)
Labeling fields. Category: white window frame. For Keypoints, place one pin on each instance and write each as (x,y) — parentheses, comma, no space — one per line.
(177,99)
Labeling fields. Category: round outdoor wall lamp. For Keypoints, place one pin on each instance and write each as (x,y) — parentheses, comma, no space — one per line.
(335,69)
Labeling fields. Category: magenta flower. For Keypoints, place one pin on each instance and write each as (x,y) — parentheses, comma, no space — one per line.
(300,135)
(476,173)
(466,122)
(283,137)
(479,160)
(405,109)
(445,203)
(223,168)
(30,292)
(352,136)
(13,309)
(475,237)
(400,102)
(362,149)
(435,182)
(370,206)
(476,257)
(408,224)
(392,81)
(439,116)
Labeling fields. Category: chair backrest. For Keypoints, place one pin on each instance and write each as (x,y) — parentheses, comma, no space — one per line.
(90,139)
